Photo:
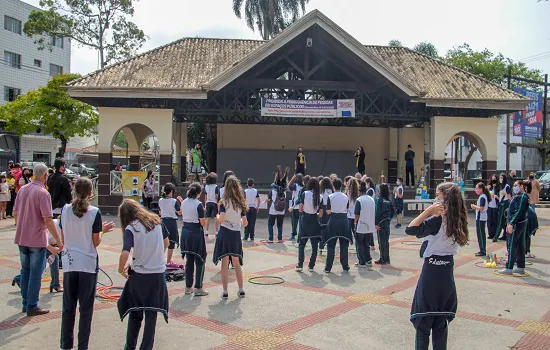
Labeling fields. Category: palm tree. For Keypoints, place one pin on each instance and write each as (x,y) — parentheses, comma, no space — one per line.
(270,17)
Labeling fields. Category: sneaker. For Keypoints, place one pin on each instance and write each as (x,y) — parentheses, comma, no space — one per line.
(480,254)
(311,269)
(346,268)
(244,240)
(292,238)
(37,311)
(327,271)
(380,262)
(506,272)
(201,292)
(225,295)
(299,268)
(269,241)
(519,270)
(280,241)
(188,291)
(361,266)
(397,226)
(241,293)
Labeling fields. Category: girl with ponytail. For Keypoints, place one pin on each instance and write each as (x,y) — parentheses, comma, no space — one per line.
(444,227)
(81,231)
(310,228)
(169,209)
(481,209)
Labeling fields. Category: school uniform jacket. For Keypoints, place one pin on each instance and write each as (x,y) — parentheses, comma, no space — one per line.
(518,210)
(384,212)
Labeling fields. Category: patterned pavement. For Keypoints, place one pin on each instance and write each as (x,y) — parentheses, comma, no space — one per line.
(310,310)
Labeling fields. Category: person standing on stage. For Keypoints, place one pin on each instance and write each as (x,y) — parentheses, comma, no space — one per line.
(409,165)
(360,160)
(300,162)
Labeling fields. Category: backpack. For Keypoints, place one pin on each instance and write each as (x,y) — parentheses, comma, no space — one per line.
(280,200)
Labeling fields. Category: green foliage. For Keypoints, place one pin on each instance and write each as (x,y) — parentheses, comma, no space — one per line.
(50,110)
(206,135)
(395,43)
(100,24)
(270,17)
(120,140)
(490,66)
(426,48)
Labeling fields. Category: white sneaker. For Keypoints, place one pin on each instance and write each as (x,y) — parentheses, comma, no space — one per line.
(519,271)
(506,272)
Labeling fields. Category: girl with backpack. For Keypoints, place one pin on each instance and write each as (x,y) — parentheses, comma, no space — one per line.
(277,197)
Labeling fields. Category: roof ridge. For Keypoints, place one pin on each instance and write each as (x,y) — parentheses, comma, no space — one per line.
(458,69)
(73,82)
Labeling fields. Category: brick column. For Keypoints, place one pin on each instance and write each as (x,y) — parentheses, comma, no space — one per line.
(392,171)
(437,174)
(107,203)
(165,163)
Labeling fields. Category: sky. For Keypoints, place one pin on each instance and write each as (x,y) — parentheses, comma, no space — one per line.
(519,29)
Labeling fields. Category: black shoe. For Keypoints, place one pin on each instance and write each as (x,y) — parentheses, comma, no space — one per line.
(57,289)
(481,254)
(37,311)
(502,239)
(14,282)
(495,239)
(380,262)
(490,237)
(346,268)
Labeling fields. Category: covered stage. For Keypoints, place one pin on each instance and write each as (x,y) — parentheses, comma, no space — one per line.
(400,97)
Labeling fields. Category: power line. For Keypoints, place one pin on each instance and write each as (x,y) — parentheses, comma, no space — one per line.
(533,56)
(537,58)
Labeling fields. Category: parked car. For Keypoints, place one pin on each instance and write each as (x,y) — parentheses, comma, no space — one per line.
(83,170)
(539,174)
(545,186)
(71,175)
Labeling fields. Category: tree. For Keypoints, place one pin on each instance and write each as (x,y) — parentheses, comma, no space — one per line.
(103,25)
(395,43)
(270,17)
(426,48)
(120,140)
(490,66)
(51,111)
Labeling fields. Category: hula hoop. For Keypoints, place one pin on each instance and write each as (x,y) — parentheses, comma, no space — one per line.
(411,243)
(253,280)
(103,292)
(517,275)
(481,265)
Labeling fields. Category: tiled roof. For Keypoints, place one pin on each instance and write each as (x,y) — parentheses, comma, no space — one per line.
(437,79)
(190,63)
(184,64)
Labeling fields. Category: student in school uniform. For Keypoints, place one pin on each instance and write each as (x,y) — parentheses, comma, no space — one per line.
(398,202)
(228,245)
(353,194)
(145,290)
(532,227)
(277,199)
(310,228)
(211,199)
(81,231)
(253,202)
(193,245)
(371,191)
(492,210)
(443,227)
(337,227)
(516,228)
(365,211)
(295,185)
(481,216)
(504,202)
(170,208)
(227,174)
(383,215)
(326,190)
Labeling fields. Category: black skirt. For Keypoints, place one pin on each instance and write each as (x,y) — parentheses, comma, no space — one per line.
(144,292)
(192,241)
(309,227)
(228,243)
(337,227)
(171,225)
(398,205)
(435,293)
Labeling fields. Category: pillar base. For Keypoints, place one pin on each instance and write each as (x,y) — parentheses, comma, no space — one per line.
(165,162)
(107,203)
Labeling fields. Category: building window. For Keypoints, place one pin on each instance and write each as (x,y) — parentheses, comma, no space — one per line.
(57,42)
(10,93)
(55,69)
(37,63)
(12,59)
(12,24)
(513,149)
(41,157)
(479,165)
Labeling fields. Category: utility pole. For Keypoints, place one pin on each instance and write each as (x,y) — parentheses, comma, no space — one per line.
(544,116)
(508,125)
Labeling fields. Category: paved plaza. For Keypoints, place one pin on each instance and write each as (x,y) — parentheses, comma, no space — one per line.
(310,310)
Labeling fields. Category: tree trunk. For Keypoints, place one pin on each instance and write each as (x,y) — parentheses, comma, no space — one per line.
(467,161)
(63,147)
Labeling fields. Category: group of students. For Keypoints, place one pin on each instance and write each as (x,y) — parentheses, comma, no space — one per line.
(507,211)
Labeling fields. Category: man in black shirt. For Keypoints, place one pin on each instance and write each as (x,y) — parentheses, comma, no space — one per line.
(59,187)
(409,165)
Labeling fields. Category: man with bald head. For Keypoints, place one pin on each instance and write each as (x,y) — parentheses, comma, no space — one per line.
(33,213)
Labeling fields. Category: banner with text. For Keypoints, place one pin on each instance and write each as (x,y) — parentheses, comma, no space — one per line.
(275,107)
(528,123)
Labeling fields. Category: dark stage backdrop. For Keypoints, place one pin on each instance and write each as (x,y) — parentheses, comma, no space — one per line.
(261,164)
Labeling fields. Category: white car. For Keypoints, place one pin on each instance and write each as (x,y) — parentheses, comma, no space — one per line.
(82,170)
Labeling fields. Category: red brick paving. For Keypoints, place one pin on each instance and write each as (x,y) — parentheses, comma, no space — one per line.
(205,323)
